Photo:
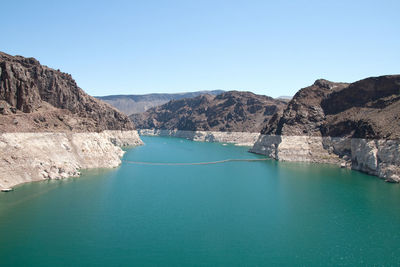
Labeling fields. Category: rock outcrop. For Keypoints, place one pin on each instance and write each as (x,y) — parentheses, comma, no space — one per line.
(28,157)
(36,98)
(355,125)
(228,112)
(50,128)
(369,108)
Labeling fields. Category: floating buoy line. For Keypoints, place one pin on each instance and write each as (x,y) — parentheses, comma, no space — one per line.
(191,163)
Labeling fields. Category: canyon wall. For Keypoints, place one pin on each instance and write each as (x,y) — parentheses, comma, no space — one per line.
(28,157)
(354,125)
(34,98)
(50,128)
(378,157)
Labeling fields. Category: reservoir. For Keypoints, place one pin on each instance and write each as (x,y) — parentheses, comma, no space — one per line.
(236,213)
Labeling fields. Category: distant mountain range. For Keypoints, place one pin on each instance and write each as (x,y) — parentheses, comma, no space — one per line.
(131,104)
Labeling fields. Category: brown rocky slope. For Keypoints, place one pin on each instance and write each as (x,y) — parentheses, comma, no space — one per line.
(369,108)
(355,125)
(231,111)
(36,98)
(50,128)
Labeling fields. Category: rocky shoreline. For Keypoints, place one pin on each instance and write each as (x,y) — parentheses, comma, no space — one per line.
(237,138)
(379,157)
(28,157)
(50,128)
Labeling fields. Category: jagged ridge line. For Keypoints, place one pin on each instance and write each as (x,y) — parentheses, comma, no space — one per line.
(191,163)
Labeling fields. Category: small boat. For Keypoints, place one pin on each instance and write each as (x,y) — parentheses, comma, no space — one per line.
(7,190)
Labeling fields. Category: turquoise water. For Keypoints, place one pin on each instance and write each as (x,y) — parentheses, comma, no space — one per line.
(232,214)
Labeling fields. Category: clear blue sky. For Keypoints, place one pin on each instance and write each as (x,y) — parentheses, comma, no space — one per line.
(268,47)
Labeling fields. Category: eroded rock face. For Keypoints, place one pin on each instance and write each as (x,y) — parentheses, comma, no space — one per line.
(303,114)
(34,97)
(228,112)
(50,128)
(377,157)
(354,125)
(369,108)
(28,157)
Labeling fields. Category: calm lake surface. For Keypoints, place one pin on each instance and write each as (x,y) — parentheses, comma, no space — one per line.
(237,213)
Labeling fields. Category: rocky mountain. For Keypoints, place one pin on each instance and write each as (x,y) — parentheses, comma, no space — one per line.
(231,111)
(34,97)
(131,104)
(368,108)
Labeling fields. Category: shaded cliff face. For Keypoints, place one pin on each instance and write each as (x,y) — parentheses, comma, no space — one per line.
(231,112)
(369,108)
(34,97)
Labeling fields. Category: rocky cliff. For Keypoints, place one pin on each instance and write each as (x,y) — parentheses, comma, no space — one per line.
(369,108)
(231,111)
(28,157)
(50,128)
(35,98)
(355,125)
